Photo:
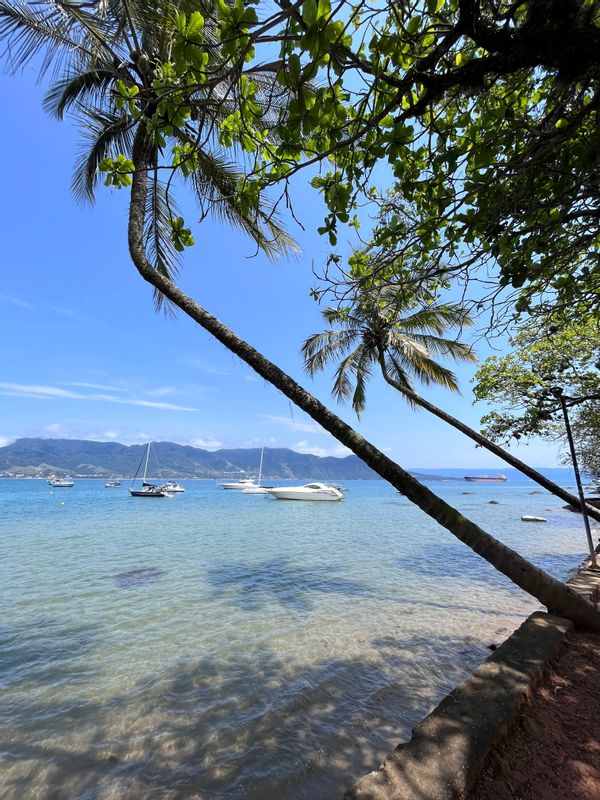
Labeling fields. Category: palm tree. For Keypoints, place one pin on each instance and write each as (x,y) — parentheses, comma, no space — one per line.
(108,53)
(379,330)
(71,34)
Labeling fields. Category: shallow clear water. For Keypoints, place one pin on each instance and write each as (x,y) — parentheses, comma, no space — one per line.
(220,645)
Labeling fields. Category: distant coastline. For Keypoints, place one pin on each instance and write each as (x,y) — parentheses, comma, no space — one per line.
(30,458)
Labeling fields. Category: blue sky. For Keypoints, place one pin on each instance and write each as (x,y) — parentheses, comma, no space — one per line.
(86,356)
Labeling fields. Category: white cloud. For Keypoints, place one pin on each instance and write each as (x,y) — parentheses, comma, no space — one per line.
(162,391)
(65,312)
(4,440)
(337,450)
(102,436)
(55,392)
(207,444)
(15,301)
(201,366)
(294,424)
(54,428)
(103,387)
(33,390)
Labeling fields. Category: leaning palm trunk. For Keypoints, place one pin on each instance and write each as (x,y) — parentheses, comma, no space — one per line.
(481,440)
(552,593)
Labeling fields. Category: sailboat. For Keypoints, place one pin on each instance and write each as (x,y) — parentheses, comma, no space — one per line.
(257,488)
(148,489)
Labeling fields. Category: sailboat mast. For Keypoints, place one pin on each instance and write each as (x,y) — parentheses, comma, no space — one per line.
(262,452)
(147,457)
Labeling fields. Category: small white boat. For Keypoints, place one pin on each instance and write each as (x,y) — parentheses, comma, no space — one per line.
(113,485)
(258,489)
(245,483)
(310,491)
(171,487)
(62,483)
(532,518)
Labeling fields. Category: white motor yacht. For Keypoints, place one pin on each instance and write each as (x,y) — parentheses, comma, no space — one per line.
(245,483)
(310,491)
(62,483)
(171,487)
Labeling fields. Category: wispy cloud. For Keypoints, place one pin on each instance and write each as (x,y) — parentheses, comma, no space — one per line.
(4,440)
(207,444)
(54,428)
(337,451)
(102,387)
(102,436)
(15,301)
(64,312)
(55,392)
(202,366)
(293,424)
(162,391)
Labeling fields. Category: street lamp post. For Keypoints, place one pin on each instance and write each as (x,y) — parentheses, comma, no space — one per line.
(558,392)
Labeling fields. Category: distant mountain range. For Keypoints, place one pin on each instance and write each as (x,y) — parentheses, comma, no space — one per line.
(39,458)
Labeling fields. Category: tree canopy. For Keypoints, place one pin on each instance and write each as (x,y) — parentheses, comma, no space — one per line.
(485,111)
(524,386)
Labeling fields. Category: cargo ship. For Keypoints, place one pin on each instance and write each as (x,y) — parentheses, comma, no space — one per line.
(486,478)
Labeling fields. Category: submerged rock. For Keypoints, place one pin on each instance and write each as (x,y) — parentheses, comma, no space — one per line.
(138,577)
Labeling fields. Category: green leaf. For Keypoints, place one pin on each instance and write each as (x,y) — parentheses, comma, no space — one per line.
(323,9)
(309,11)
(195,25)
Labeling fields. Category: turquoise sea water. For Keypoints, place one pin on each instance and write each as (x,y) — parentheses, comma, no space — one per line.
(219,645)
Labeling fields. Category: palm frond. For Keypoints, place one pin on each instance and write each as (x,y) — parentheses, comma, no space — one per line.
(215,184)
(342,316)
(362,373)
(438,318)
(412,361)
(160,209)
(437,345)
(91,85)
(321,349)
(53,29)
(104,134)
(395,374)
(345,373)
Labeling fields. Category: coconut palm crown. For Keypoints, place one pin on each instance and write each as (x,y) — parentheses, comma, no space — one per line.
(401,337)
(117,65)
